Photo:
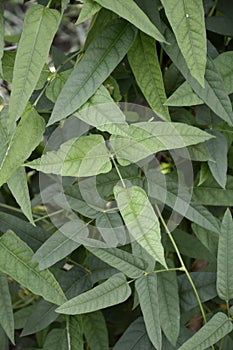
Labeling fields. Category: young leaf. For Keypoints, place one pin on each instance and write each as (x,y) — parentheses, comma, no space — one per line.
(169,309)
(224,261)
(89,9)
(188,23)
(1,35)
(56,339)
(95,330)
(218,150)
(215,329)
(81,156)
(132,13)
(140,219)
(19,188)
(101,57)
(121,260)
(146,287)
(6,311)
(15,260)
(111,292)
(60,244)
(30,129)
(40,26)
(144,62)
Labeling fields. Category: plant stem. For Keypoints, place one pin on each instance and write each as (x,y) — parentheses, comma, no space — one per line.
(118,171)
(68,332)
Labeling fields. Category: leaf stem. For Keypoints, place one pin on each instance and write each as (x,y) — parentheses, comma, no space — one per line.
(183,267)
(68,332)
(118,171)
(49,215)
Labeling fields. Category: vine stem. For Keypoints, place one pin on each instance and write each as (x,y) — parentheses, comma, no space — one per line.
(183,267)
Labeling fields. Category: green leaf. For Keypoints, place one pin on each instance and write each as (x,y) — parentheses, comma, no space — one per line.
(214,93)
(125,262)
(218,150)
(208,238)
(111,228)
(1,35)
(146,287)
(19,188)
(89,9)
(101,57)
(210,193)
(30,129)
(141,220)
(15,260)
(111,292)
(81,156)
(99,269)
(132,13)
(60,243)
(40,26)
(76,332)
(56,339)
(6,311)
(144,62)
(95,330)
(4,344)
(33,236)
(103,113)
(8,61)
(219,24)
(145,138)
(205,283)
(135,337)
(169,309)
(225,261)
(215,329)
(188,24)
(223,64)
(53,90)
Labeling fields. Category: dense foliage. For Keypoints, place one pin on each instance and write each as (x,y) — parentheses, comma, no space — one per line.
(116,175)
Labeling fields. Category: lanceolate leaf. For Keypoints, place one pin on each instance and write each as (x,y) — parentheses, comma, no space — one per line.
(214,330)
(214,93)
(30,129)
(101,57)
(144,62)
(76,332)
(81,156)
(89,8)
(1,36)
(132,13)
(95,330)
(188,24)
(15,260)
(121,260)
(140,219)
(56,339)
(19,188)
(40,26)
(146,287)
(225,260)
(113,291)
(6,311)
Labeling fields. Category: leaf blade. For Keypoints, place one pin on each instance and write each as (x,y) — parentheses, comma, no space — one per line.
(6,310)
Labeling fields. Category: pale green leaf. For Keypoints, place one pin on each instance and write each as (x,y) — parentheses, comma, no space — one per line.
(30,129)
(210,193)
(169,308)
(40,26)
(111,228)
(145,138)
(141,220)
(184,96)
(215,329)
(111,292)
(218,148)
(144,62)
(188,24)
(6,310)
(76,332)
(225,260)
(135,337)
(146,287)
(224,66)
(89,9)
(56,339)
(60,243)
(1,35)
(15,260)
(132,13)
(95,330)
(214,93)
(56,85)
(101,57)
(19,188)
(125,262)
(81,156)
(103,113)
